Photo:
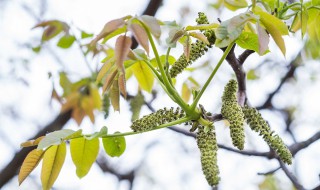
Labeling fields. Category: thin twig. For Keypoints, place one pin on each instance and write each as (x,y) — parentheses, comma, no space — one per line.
(269,172)
(290,175)
(244,56)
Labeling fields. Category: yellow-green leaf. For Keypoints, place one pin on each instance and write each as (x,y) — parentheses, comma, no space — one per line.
(87,106)
(66,41)
(29,164)
(200,37)
(185,92)
(115,95)
(275,27)
(144,75)
(235,4)
(109,79)
(53,160)
(268,19)
(114,146)
(95,95)
(304,21)
(84,152)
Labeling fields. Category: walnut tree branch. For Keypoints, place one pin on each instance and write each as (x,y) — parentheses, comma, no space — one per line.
(290,175)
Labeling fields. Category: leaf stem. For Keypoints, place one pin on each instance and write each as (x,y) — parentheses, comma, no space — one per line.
(195,102)
(174,94)
(176,122)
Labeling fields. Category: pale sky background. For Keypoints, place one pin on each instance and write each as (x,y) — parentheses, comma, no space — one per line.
(173,162)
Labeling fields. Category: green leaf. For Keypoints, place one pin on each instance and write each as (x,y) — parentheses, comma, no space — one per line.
(55,138)
(36,49)
(29,164)
(65,83)
(171,60)
(84,152)
(85,35)
(248,40)
(103,131)
(114,146)
(235,4)
(66,41)
(144,75)
(304,20)
(251,75)
(268,19)
(53,160)
(230,30)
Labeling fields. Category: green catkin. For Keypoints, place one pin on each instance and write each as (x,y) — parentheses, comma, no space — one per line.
(157,118)
(106,105)
(232,111)
(198,48)
(208,147)
(259,125)
(135,106)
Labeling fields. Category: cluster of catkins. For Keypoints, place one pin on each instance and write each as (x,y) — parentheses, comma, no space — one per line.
(160,117)
(197,49)
(236,115)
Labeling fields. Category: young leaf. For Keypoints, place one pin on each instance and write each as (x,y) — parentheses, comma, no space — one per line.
(144,75)
(275,33)
(304,21)
(114,146)
(140,35)
(122,48)
(174,36)
(103,131)
(235,4)
(185,92)
(78,114)
(105,69)
(96,98)
(65,83)
(153,25)
(71,101)
(230,30)
(66,41)
(115,95)
(109,27)
(268,19)
(122,84)
(53,160)
(31,142)
(200,37)
(84,152)
(30,162)
(263,38)
(54,138)
(109,79)
(85,35)
(296,23)
(87,106)
(187,47)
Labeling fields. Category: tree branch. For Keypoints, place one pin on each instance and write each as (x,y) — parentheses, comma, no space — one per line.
(290,74)
(240,74)
(290,175)
(244,56)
